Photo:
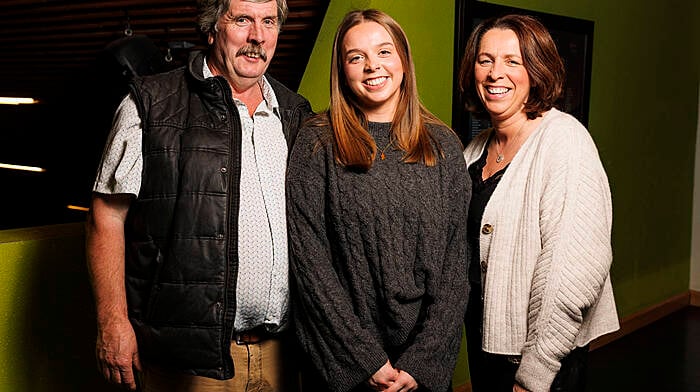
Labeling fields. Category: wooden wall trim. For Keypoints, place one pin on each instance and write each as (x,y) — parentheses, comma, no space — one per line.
(634,322)
(463,388)
(644,317)
(695,298)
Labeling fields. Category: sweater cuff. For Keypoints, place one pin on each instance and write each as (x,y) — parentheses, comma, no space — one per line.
(433,378)
(352,378)
(536,373)
(432,371)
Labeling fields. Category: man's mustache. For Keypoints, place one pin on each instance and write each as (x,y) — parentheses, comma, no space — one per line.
(252,50)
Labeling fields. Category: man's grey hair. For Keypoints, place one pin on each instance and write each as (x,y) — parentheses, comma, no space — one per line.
(209,12)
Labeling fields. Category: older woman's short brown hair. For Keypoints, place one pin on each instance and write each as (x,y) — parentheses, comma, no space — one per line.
(540,58)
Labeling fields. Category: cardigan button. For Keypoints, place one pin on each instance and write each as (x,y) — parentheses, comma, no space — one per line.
(483,266)
(223,170)
(487,229)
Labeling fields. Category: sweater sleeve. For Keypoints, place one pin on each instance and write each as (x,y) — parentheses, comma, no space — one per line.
(432,354)
(575,225)
(345,353)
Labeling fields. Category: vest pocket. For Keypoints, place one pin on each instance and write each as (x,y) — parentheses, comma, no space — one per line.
(143,264)
(184,303)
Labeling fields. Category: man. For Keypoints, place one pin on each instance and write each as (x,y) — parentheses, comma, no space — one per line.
(186,239)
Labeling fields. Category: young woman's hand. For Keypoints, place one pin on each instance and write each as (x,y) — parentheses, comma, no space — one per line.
(404,383)
(383,378)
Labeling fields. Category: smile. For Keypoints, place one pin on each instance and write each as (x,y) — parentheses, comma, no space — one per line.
(376,81)
(252,52)
(497,90)
(255,55)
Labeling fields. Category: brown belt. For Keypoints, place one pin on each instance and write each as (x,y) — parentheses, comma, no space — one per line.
(252,336)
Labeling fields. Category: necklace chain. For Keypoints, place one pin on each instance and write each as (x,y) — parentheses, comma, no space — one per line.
(500,155)
(382,155)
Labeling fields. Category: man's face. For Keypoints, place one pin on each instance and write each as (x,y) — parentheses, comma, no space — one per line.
(245,42)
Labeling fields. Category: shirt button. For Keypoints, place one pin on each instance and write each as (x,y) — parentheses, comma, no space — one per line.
(223,170)
(487,229)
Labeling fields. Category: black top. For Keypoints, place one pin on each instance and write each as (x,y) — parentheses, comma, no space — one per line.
(481,194)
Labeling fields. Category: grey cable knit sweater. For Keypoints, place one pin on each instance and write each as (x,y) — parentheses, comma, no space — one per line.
(379,259)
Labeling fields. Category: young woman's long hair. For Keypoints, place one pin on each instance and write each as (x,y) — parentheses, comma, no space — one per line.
(353,146)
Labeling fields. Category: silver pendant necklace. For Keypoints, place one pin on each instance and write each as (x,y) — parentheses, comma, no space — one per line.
(500,155)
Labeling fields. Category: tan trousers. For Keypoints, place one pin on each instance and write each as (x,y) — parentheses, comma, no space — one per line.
(261,367)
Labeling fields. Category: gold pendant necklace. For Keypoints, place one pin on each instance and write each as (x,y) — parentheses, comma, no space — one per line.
(382,156)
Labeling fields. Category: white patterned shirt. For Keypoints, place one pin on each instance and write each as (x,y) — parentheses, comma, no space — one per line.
(262,291)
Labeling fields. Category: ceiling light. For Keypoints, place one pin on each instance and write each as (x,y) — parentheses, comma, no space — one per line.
(17,101)
(20,167)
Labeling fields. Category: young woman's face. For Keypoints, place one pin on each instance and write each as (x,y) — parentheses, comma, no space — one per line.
(502,81)
(373,70)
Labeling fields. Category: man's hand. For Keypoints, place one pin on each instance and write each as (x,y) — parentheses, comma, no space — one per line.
(117,353)
(383,378)
(116,350)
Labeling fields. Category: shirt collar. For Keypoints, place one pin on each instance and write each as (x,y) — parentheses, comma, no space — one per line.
(267,92)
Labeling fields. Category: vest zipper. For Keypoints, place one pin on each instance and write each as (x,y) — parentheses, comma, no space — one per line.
(231,236)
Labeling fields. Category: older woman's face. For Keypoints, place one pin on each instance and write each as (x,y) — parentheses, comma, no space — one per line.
(501,79)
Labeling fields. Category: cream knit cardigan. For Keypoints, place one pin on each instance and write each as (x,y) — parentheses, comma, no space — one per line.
(547,258)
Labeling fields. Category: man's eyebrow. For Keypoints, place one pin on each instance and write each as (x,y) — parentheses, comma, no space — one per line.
(244,15)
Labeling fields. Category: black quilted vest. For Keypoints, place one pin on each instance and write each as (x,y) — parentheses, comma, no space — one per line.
(181,245)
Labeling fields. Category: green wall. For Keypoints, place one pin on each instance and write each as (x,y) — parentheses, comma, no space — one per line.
(643,114)
(47,322)
(643,117)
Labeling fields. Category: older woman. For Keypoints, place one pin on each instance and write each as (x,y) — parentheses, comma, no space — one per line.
(539,219)
(377,196)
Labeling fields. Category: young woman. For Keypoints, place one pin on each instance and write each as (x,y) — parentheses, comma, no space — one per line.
(377,198)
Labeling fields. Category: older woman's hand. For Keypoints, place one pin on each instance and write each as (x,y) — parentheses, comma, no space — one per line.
(518,388)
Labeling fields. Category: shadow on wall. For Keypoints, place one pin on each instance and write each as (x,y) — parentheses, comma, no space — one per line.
(55,320)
